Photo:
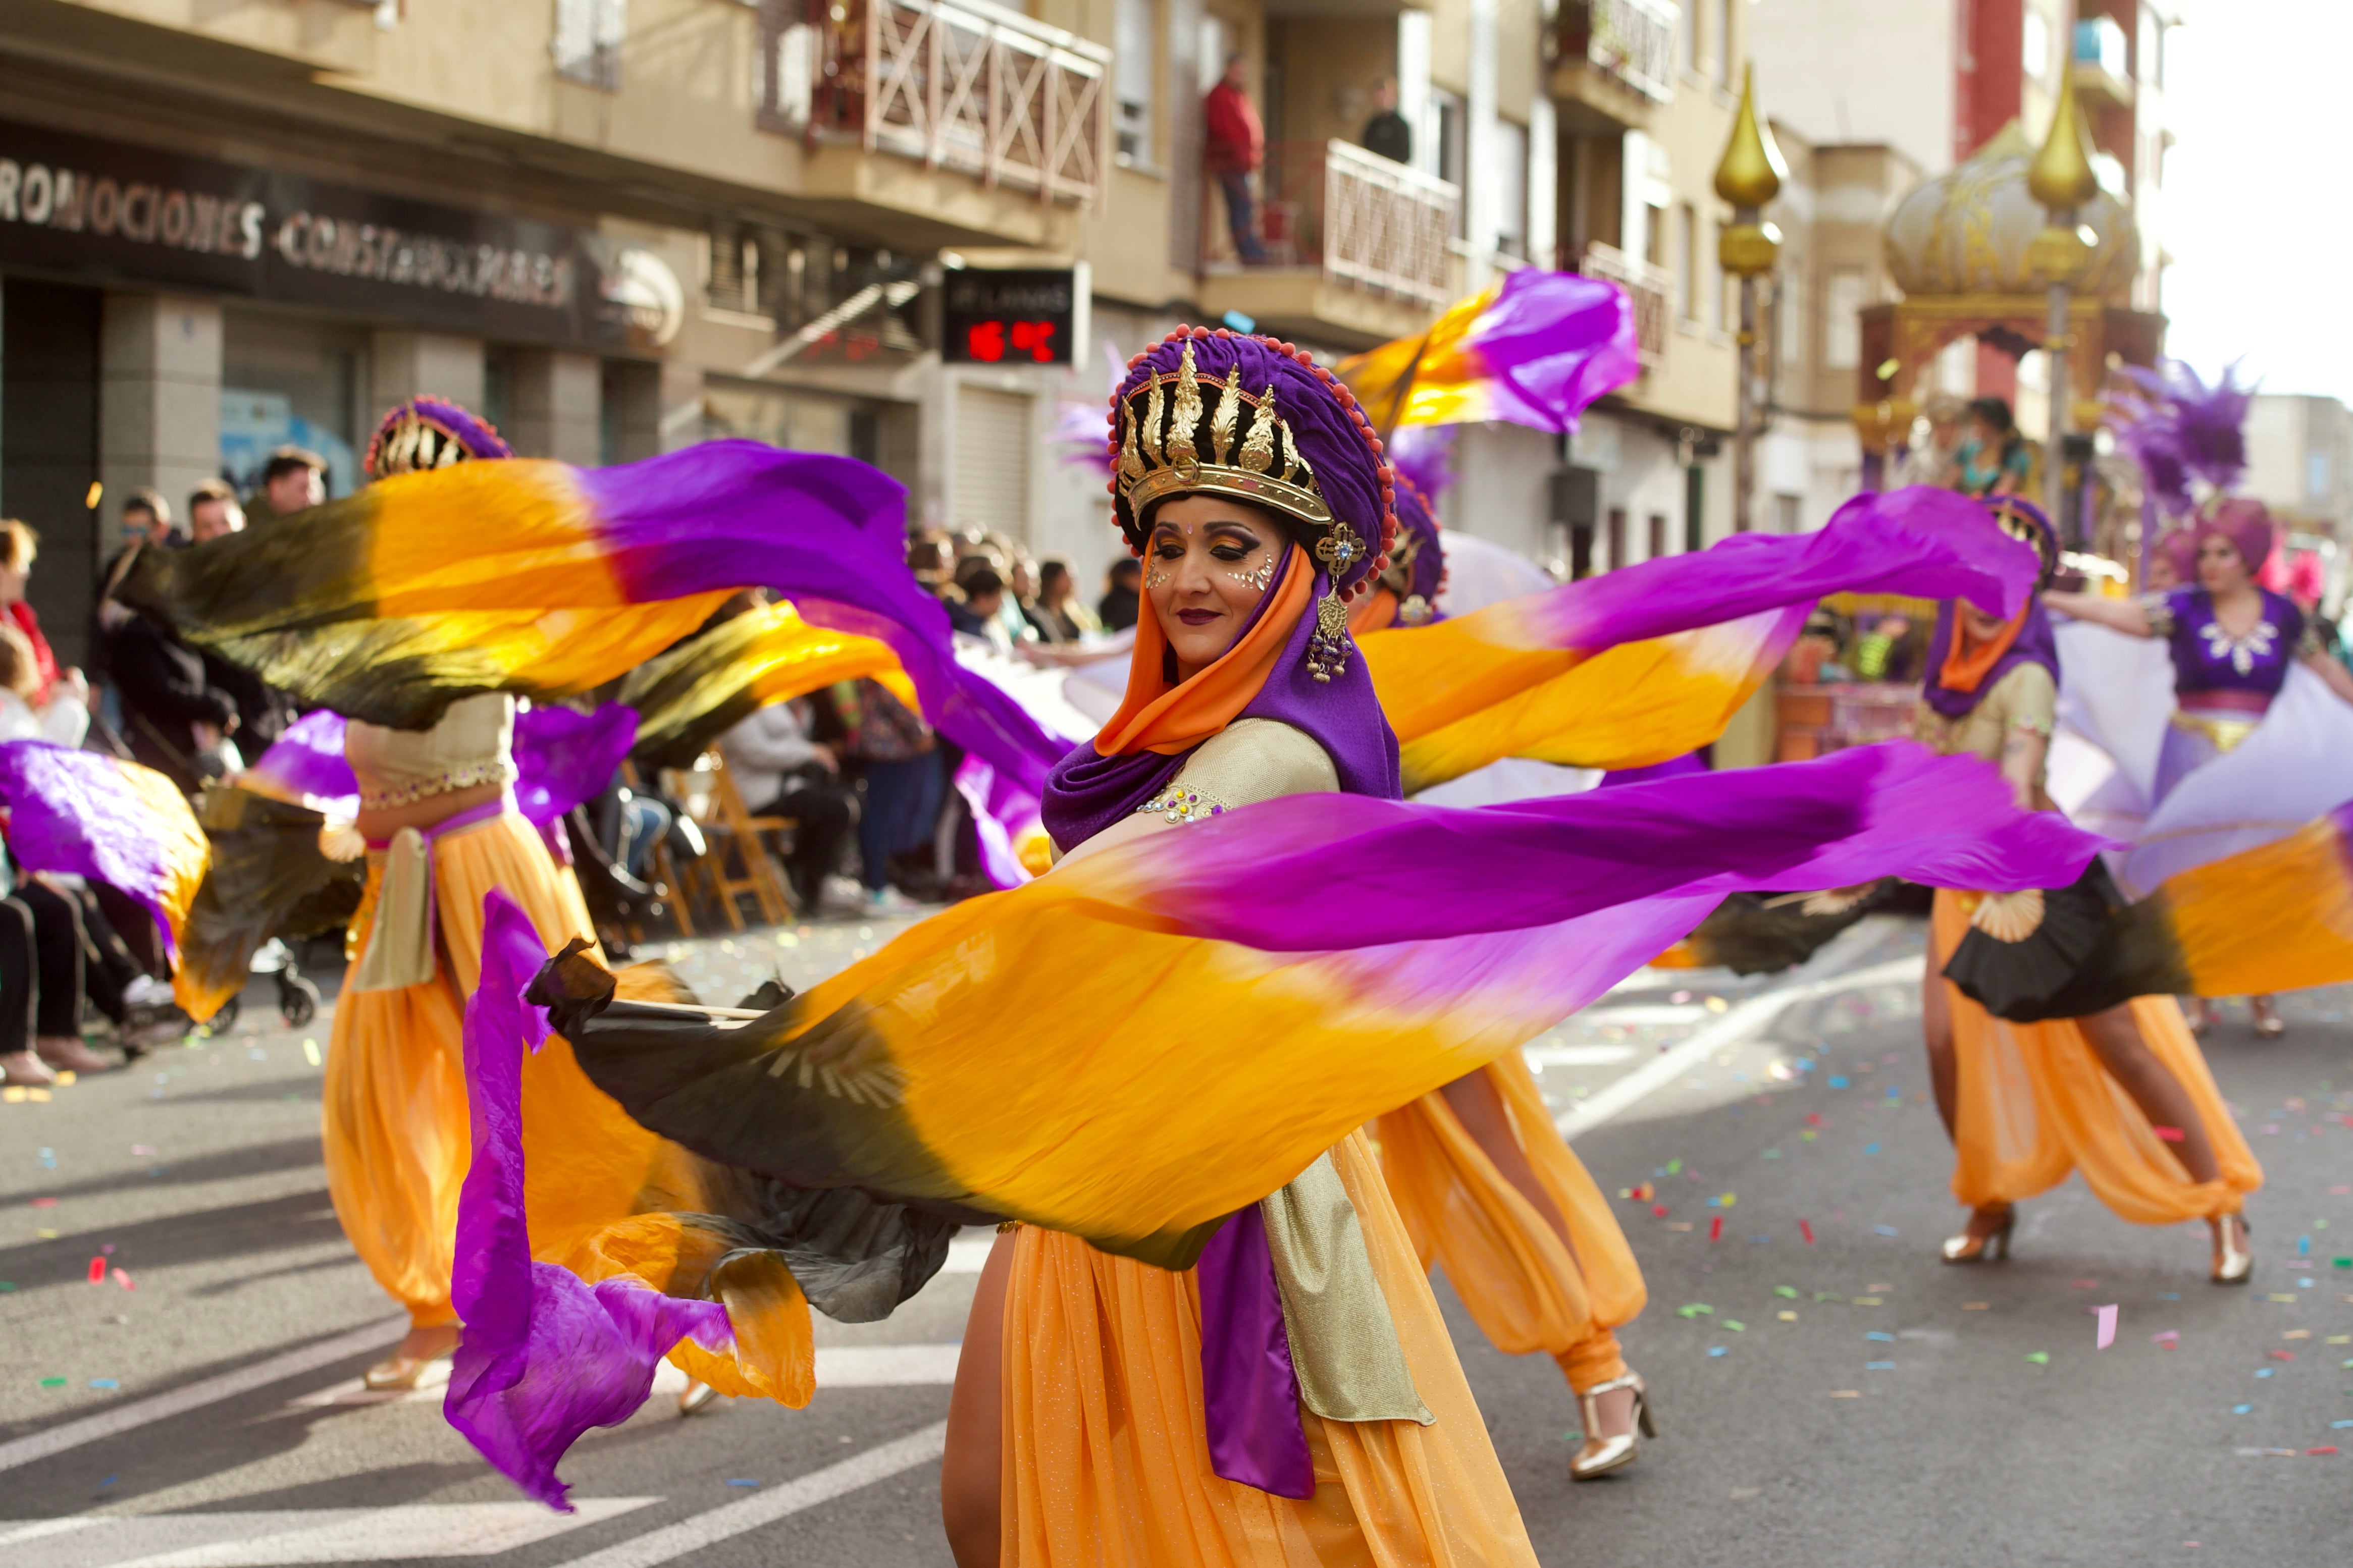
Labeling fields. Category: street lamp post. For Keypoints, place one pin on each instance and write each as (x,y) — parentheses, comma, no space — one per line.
(2062,181)
(1749,177)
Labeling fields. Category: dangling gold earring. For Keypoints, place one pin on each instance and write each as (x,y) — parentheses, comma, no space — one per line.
(1327,647)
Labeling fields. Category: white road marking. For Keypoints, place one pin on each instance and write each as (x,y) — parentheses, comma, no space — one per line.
(275,1538)
(1576,1056)
(228,1385)
(763,1507)
(1746,1020)
(1640,1013)
(41,1530)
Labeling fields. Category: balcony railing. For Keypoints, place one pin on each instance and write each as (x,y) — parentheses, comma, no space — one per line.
(1364,221)
(1651,288)
(966,86)
(1632,42)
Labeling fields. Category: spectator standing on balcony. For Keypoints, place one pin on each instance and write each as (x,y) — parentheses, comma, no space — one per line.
(1237,146)
(1387,134)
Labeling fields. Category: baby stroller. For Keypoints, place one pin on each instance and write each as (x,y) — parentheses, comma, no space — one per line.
(297,998)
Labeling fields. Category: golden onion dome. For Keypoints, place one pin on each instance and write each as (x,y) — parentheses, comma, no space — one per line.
(1752,170)
(1968,230)
(2061,174)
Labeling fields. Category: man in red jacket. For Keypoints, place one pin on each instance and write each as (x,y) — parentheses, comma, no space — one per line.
(1236,145)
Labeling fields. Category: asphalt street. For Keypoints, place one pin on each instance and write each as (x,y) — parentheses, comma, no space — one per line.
(183,1326)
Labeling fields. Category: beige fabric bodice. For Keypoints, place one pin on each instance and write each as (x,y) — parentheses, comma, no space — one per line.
(1249,761)
(473,745)
(2025,698)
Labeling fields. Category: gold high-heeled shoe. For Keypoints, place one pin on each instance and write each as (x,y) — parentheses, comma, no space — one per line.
(2232,1263)
(1986,1248)
(1599,1454)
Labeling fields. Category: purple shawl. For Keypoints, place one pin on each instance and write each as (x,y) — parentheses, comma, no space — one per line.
(2035,645)
(2035,642)
(1088,792)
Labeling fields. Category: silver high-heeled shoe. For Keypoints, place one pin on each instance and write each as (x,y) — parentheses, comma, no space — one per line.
(1600,1455)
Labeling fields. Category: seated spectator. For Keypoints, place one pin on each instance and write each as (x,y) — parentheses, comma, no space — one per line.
(64,719)
(899,772)
(18,545)
(782,772)
(979,613)
(1117,607)
(1060,615)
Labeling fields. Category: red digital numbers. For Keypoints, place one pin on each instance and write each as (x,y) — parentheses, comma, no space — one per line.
(988,341)
(1038,337)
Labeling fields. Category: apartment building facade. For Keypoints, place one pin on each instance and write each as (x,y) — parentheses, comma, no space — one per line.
(620,226)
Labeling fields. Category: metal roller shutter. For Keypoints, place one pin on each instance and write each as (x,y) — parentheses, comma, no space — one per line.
(992,461)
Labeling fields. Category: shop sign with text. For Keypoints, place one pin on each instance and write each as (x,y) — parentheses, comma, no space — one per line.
(114,213)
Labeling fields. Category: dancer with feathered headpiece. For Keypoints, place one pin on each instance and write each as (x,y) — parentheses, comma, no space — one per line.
(2261,716)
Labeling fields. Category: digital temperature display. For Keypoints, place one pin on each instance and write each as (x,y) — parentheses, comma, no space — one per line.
(1022,316)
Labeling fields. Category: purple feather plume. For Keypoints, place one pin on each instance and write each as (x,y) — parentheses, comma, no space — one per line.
(2184,432)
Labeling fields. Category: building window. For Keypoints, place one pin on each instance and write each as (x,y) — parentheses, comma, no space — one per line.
(1512,188)
(1617,537)
(1724,42)
(1448,110)
(1785,514)
(1688,221)
(1658,539)
(587,42)
(1843,298)
(1133,64)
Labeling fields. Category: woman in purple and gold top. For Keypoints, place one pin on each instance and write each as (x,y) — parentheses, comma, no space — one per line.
(2233,643)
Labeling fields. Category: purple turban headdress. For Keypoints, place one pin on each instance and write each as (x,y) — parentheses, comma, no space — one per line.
(2245,524)
(1222,413)
(431,432)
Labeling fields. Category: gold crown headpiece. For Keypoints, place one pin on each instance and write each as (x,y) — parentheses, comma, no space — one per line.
(1166,447)
(2024,522)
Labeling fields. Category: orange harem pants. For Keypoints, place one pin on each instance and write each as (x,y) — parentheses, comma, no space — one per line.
(1106,1446)
(1526,1291)
(2034,1104)
(600,1192)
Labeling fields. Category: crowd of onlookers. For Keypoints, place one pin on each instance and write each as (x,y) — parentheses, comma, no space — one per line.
(866,786)
(65,943)
(853,768)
